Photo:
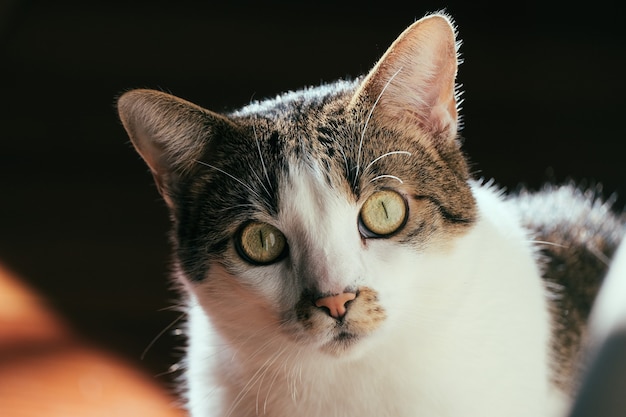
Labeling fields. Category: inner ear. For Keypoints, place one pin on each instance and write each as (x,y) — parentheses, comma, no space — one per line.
(414,81)
(169,133)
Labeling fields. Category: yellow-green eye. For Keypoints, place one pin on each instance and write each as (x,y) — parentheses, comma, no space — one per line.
(261,243)
(383,213)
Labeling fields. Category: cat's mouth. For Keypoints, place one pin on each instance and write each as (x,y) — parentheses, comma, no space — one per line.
(364,314)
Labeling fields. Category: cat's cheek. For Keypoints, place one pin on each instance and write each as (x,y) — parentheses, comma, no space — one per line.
(271,285)
(230,297)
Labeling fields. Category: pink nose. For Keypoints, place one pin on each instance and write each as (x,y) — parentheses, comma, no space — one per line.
(336,304)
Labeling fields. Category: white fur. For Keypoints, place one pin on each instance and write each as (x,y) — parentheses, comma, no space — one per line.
(467,332)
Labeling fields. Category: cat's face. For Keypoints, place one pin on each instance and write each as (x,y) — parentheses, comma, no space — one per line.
(311,217)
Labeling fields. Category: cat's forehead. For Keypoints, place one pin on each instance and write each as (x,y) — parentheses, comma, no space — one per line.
(308,197)
(321,129)
(303,101)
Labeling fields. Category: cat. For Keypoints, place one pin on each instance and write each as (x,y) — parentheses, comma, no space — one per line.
(338,258)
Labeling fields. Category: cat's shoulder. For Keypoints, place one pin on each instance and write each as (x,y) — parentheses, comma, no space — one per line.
(570,212)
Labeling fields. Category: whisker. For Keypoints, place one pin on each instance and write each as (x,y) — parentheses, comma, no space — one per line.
(599,254)
(161,333)
(259,180)
(231,208)
(296,377)
(231,176)
(387,176)
(269,389)
(384,155)
(258,146)
(345,159)
(172,369)
(260,348)
(254,379)
(545,242)
(369,117)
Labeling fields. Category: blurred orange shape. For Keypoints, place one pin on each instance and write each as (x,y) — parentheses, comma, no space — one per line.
(46,371)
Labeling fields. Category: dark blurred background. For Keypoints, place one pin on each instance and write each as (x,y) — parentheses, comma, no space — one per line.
(80,219)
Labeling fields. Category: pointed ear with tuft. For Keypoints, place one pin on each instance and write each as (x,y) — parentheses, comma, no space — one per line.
(414,81)
(169,133)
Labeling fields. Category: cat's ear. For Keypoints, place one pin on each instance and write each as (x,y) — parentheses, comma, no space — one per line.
(169,133)
(414,81)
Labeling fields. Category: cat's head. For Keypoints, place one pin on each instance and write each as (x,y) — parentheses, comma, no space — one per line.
(315,217)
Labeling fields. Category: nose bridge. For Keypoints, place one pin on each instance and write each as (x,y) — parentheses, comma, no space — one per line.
(328,256)
(327,245)
(322,271)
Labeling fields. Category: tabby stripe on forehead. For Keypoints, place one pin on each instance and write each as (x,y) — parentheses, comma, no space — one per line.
(274,144)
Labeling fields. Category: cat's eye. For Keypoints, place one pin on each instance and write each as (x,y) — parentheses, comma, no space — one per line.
(383,213)
(261,243)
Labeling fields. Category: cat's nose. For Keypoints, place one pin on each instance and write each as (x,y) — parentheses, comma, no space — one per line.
(337,305)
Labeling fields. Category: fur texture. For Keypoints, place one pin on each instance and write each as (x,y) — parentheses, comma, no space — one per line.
(447,313)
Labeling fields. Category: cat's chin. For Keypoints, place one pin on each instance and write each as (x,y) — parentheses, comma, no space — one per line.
(350,347)
(342,345)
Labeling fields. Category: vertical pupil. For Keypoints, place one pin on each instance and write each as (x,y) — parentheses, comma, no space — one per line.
(261,243)
(267,239)
(382,203)
(383,213)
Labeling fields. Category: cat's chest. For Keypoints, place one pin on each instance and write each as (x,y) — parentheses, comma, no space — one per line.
(329,389)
